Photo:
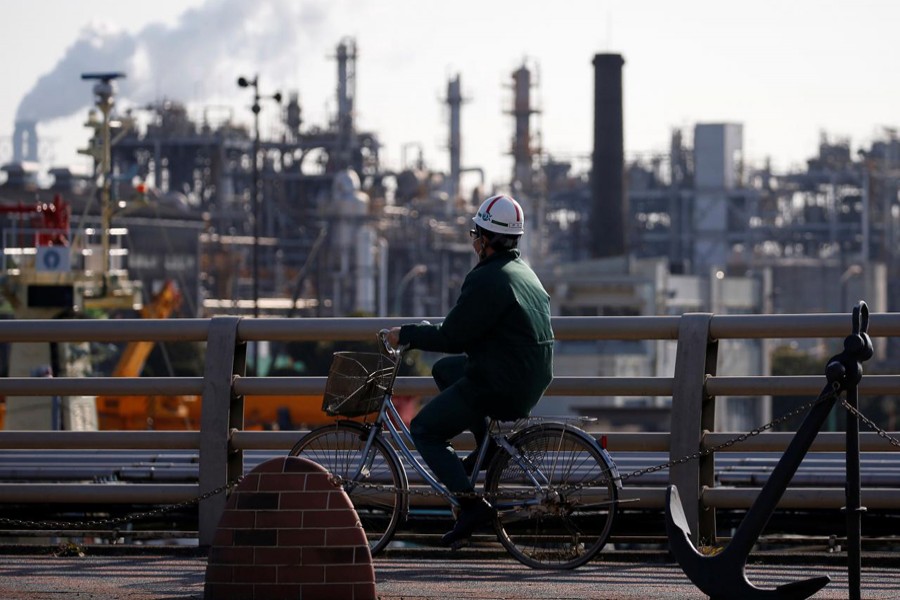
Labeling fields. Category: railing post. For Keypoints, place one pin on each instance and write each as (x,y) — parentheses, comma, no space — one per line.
(221,412)
(693,412)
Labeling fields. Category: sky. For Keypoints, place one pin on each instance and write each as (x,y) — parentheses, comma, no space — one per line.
(787,71)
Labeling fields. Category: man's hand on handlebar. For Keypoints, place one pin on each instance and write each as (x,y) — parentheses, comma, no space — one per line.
(393,337)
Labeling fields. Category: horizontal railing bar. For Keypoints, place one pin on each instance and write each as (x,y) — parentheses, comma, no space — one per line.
(805,498)
(632,497)
(636,497)
(103,330)
(334,329)
(424,386)
(564,328)
(100,440)
(265,440)
(304,386)
(810,385)
(611,386)
(798,326)
(320,329)
(733,498)
(138,534)
(101,386)
(616,328)
(285,440)
(652,497)
(131,493)
(826,441)
(642,497)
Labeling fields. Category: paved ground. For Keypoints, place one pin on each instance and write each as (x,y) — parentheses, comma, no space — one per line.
(159,577)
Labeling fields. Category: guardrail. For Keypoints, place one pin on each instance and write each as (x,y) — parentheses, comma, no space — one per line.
(221,440)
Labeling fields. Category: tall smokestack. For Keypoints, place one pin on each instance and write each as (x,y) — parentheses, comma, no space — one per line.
(522,111)
(609,204)
(454,101)
(25,142)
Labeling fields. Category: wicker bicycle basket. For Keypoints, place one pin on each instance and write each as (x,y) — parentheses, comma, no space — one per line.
(356,383)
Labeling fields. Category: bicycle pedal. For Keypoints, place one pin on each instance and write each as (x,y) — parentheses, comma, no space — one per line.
(460,544)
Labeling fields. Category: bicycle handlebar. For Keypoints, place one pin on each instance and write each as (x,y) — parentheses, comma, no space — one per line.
(395,352)
(391,351)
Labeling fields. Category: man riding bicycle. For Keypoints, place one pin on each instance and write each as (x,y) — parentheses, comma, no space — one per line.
(501,327)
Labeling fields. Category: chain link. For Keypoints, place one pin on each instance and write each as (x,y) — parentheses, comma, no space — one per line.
(871,424)
(728,443)
(77,525)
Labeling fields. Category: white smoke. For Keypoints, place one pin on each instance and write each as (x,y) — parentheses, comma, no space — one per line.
(197,58)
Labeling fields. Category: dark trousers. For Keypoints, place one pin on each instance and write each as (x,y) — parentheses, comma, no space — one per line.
(453,411)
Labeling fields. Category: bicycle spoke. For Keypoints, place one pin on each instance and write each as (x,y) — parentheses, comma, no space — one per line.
(339,449)
(567,521)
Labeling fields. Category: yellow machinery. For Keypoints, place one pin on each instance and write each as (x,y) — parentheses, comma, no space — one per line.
(146,412)
(183,412)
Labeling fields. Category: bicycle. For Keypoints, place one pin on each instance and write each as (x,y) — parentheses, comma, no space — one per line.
(554,487)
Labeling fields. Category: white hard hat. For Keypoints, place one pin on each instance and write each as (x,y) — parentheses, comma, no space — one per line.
(501,214)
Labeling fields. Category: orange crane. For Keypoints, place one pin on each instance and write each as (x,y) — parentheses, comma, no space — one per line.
(146,412)
(183,412)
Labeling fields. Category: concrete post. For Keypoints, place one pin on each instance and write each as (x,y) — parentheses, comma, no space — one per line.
(693,412)
(221,412)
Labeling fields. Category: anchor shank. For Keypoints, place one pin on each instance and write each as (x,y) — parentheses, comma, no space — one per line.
(758,516)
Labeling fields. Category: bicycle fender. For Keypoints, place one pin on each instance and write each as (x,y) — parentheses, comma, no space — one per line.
(613,469)
(607,459)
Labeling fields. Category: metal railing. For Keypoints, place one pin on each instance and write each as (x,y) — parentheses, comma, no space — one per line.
(221,440)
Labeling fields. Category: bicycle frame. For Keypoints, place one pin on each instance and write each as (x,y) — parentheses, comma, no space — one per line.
(389,424)
(397,433)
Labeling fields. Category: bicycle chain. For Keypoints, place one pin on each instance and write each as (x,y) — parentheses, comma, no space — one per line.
(119,520)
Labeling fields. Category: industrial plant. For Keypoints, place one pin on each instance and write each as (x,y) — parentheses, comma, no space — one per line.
(306,221)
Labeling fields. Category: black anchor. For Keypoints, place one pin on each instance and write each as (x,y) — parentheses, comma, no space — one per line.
(723,575)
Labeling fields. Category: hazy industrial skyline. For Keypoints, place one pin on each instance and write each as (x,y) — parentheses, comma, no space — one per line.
(787,71)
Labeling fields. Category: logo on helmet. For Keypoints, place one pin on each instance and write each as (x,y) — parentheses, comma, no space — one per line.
(501,214)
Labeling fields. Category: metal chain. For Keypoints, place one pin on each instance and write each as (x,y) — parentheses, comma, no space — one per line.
(728,443)
(75,525)
(337,480)
(871,424)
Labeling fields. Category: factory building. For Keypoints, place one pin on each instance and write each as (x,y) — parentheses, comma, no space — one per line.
(334,232)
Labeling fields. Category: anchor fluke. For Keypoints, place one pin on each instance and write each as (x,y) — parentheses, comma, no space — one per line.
(722,576)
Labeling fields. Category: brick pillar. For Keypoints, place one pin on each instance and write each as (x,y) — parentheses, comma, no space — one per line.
(288,532)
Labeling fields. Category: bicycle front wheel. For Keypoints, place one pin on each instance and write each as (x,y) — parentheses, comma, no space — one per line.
(555,500)
(374,482)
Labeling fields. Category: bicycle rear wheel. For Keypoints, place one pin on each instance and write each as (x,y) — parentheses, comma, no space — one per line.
(375,483)
(565,518)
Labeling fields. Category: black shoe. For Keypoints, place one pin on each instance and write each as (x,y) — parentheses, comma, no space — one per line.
(474,512)
(469,461)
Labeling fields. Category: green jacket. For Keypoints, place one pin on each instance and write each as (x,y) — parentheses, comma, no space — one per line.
(501,321)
